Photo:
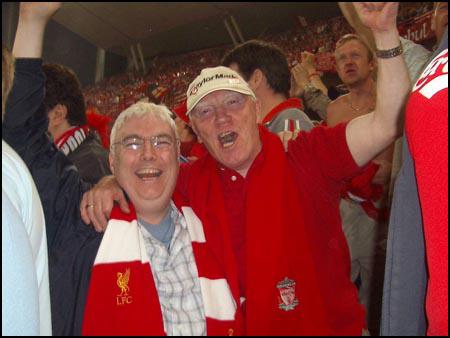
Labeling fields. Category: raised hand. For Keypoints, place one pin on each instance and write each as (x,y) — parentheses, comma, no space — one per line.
(286,136)
(40,11)
(378,16)
(33,17)
(308,61)
(299,77)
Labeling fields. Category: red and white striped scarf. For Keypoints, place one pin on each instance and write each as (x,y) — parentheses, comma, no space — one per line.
(71,139)
(122,297)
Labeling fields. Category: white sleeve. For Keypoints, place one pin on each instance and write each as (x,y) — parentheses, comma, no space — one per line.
(416,57)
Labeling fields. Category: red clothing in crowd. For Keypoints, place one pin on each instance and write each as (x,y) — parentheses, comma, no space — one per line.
(321,161)
(318,162)
(282,293)
(427,132)
(192,149)
(288,104)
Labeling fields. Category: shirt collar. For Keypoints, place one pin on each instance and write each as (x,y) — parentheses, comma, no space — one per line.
(289,103)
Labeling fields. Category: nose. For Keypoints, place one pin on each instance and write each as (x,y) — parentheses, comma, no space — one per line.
(349,62)
(148,151)
(222,115)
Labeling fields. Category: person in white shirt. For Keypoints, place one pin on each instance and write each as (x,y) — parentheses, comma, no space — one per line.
(25,282)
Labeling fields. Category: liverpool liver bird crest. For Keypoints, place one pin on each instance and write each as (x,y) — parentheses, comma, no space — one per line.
(122,282)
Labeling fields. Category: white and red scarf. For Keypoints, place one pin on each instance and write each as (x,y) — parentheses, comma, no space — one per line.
(72,139)
(122,297)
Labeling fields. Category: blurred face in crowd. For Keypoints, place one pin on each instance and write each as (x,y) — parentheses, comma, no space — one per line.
(147,170)
(352,63)
(225,121)
(439,21)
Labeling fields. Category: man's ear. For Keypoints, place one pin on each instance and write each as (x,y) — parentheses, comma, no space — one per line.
(259,118)
(373,68)
(58,114)
(373,65)
(257,79)
(111,161)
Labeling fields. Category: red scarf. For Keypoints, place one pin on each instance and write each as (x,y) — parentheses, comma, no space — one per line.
(289,103)
(361,190)
(122,297)
(71,139)
(282,290)
(100,123)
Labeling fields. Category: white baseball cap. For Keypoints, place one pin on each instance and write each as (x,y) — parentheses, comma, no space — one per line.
(213,79)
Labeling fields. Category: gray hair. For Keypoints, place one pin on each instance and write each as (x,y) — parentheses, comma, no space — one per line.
(142,109)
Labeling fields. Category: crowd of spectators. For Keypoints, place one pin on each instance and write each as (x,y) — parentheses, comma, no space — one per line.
(168,76)
(409,10)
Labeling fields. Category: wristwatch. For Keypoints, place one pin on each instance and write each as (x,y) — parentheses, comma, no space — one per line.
(389,53)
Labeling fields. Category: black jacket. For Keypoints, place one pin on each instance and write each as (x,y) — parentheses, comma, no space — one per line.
(72,245)
(91,159)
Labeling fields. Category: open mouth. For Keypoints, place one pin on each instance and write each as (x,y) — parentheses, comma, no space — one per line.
(227,139)
(148,173)
(350,71)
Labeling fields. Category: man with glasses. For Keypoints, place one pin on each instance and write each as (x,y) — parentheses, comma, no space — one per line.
(266,206)
(143,276)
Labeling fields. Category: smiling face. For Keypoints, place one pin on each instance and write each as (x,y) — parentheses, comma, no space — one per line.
(149,174)
(352,63)
(225,121)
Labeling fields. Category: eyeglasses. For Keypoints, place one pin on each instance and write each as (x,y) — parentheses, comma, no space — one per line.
(232,102)
(159,142)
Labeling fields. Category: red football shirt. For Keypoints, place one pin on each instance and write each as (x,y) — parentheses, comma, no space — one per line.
(427,132)
(320,160)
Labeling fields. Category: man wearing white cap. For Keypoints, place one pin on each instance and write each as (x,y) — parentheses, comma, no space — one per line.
(272,295)
(268,206)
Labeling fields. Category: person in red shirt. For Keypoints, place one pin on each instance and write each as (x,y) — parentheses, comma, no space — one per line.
(426,129)
(269,208)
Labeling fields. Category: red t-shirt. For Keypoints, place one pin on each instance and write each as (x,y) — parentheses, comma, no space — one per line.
(427,132)
(320,160)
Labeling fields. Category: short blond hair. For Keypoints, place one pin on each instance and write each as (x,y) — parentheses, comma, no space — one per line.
(349,37)
(7,76)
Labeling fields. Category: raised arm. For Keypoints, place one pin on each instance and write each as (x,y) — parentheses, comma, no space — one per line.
(308,60)
(26,122)
(370,134)
(27,93)
(33,19)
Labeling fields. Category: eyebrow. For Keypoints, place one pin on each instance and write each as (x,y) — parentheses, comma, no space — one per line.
(231,94)
(131,135)
(139,136)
